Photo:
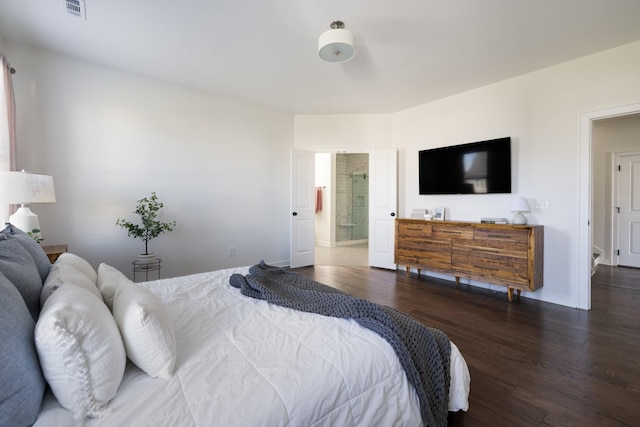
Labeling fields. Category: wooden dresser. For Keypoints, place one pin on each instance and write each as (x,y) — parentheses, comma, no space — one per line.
(500,254)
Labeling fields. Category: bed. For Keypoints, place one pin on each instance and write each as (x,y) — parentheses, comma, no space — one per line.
(218,357)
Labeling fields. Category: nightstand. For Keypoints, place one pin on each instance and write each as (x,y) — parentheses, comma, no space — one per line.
(145,267)
(54,251)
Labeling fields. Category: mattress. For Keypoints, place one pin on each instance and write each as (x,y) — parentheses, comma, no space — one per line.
(244,362)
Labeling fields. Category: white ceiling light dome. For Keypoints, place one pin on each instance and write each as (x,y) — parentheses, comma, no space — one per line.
(336,44)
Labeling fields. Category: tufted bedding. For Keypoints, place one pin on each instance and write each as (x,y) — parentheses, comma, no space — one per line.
(243,362)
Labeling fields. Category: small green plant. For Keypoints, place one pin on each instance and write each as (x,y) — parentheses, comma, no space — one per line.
(35,235)
(151,227)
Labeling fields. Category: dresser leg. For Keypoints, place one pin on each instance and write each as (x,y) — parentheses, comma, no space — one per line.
(408,269)
(510,294)
(457,281)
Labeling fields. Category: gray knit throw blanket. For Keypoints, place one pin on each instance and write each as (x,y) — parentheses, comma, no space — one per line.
(424,353)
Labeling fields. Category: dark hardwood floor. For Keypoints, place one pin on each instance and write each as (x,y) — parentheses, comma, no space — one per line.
(531,363)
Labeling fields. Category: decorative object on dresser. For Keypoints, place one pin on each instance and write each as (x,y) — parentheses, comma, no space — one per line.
(491,220)
(150,228)
(499,254)
(518,206)
(21,188)
(438,213)
(419,213)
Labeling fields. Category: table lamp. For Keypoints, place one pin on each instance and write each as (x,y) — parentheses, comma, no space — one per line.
(22,188)
(518,206)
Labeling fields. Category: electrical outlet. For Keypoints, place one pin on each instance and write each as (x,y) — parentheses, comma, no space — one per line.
(542,204)
(232,251)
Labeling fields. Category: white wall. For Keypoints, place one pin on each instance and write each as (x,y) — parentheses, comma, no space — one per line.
(541,112)
(342,132)
(110,138)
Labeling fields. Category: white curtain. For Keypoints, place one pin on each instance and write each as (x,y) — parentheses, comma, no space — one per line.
(7,127)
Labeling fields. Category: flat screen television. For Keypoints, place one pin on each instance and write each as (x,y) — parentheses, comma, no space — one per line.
(476,168)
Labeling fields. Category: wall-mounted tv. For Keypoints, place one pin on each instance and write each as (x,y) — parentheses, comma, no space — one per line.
(476,168)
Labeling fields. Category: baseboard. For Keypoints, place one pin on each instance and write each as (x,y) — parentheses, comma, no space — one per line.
(279,263)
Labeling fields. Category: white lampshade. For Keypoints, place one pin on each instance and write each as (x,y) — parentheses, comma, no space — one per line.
(519,205)
(20,188)
(336,44)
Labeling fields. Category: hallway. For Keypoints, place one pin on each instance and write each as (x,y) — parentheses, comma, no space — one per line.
(349,255)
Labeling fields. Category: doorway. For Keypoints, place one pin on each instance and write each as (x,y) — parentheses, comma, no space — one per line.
(342,224)
(612,140)
(587,199)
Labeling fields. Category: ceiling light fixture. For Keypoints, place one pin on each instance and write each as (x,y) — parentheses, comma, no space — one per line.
(336,44)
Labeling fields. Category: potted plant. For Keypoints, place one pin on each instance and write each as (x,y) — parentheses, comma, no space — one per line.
(35,235)
(150,227)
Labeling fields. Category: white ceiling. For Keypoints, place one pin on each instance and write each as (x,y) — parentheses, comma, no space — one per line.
(408,52)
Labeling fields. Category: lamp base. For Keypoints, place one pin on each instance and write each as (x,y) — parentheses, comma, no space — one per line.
(25,220)
(519,219)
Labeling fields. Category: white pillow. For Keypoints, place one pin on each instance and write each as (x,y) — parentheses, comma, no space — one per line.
(146,330)
(108,278)
(79,264)
(80,350)
(59,274)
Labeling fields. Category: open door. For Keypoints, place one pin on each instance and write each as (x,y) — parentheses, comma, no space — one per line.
(302,244)
(383,205)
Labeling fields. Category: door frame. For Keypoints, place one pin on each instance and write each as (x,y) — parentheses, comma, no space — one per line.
(585,210)
(366,150)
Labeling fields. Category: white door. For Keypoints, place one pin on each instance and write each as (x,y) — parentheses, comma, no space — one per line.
(629,217)
(302,245)
(383,205)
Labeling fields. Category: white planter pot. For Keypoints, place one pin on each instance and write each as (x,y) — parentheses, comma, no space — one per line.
(146,258)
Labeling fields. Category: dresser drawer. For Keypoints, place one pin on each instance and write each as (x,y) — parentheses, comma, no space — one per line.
(414,229)
(427,253)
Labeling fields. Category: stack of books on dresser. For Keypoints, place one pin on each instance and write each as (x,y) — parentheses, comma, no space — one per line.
(494,220)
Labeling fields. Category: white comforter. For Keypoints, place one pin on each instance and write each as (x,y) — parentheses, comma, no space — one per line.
(243,362)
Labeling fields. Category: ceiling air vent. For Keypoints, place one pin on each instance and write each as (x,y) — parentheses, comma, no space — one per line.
(76,8)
